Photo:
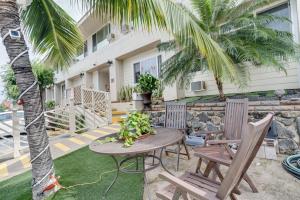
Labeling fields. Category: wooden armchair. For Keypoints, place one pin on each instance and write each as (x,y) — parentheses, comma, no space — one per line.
(196,186)
(236,114)
(218,151)
(175,117)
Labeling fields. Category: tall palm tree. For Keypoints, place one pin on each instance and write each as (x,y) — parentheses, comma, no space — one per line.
(54,35)
(245,37)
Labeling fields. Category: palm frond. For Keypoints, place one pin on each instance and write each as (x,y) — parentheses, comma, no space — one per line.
(167,15)
(52,32)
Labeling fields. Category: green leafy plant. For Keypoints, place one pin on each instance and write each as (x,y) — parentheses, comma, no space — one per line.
(125,93)
(50,105)
(147,83)
(158,93)
(44,75)
(134,126)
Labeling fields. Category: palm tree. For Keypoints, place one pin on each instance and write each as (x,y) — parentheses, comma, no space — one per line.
(243,36)
(54,35)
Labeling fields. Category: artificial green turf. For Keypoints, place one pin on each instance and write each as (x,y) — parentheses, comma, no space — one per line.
(82,166)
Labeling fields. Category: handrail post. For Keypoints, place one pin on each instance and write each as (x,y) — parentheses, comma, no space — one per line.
(108,108)
(72,117)
(81,93)
(16,132)
(93,109)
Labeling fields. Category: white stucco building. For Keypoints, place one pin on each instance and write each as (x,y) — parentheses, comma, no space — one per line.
(114,56)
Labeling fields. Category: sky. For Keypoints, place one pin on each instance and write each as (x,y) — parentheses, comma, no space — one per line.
(73,11)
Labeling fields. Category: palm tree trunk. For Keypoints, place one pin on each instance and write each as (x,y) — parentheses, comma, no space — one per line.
(36,133)
(220,88)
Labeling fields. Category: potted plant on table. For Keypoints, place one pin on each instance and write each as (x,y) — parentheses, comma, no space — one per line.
(135,126)
(147,84)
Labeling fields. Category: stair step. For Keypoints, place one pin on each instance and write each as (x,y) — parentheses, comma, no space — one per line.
(116,120)
(119,113)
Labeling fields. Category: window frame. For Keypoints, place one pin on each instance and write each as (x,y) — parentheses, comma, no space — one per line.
(94,36)
(274,6)
(158,70)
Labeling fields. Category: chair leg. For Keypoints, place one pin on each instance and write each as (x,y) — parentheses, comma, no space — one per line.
(250,182)
(208,169)
(232,197)
(178,156)
(221,177)
(186,150)
(199,165)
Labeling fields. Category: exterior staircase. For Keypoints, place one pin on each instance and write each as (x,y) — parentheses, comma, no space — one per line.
(117,116)
(88,109)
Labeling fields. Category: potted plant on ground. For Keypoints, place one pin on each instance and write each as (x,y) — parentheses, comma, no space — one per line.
(137,99)
(147,84)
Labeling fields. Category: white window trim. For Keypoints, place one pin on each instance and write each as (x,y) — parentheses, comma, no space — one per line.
(271,6)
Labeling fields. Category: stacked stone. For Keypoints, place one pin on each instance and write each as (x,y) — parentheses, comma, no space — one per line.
(210,117)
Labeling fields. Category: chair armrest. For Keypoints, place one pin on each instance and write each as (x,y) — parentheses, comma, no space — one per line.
(211,132)
(194,191)
(213,158)
(216,142)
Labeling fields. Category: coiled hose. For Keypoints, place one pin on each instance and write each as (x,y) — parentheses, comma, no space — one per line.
(292,165)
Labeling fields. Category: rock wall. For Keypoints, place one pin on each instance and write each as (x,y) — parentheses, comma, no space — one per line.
(210,117)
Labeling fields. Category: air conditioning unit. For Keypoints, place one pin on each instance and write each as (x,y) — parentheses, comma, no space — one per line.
(110,37)
(125,28)
(198,86)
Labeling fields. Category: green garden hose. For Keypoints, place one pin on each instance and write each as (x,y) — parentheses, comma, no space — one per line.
(292,165)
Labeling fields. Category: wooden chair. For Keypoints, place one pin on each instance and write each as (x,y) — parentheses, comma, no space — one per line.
(200,187)
(236,116)
(175,117)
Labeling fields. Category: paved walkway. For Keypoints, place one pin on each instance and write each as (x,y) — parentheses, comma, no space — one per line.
(59,146)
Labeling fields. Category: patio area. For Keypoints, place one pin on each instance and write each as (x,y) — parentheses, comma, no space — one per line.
(83,180)
(272,181)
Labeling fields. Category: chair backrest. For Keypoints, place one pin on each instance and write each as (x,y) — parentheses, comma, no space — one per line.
(251,142)
(175,116)
(236,116)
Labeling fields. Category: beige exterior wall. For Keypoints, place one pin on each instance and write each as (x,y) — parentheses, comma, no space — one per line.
(135,46)
(261,79)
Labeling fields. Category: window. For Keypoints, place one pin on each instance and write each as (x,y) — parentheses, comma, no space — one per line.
(137,71)
(100,37)
(85,49)
(151,66)
(94,43)
(280,11)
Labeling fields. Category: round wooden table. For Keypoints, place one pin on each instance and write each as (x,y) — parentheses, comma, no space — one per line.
(140,149)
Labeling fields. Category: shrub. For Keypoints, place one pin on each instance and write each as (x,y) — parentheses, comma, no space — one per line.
(134,126)
(147,83)
(125,94)
(50,105)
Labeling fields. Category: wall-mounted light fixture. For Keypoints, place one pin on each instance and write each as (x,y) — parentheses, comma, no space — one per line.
(81,75)
(109,62)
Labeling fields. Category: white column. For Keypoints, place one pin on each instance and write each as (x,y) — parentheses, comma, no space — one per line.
(116,79)
(16,132)
(96,80)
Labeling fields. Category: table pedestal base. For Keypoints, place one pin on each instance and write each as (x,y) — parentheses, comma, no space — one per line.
(121,168)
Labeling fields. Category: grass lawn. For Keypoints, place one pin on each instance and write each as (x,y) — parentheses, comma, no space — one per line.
(80,167)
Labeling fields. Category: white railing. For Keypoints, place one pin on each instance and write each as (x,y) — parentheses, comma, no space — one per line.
(12,142)
(99,102)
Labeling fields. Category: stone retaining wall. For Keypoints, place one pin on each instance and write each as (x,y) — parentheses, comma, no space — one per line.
(210,116)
